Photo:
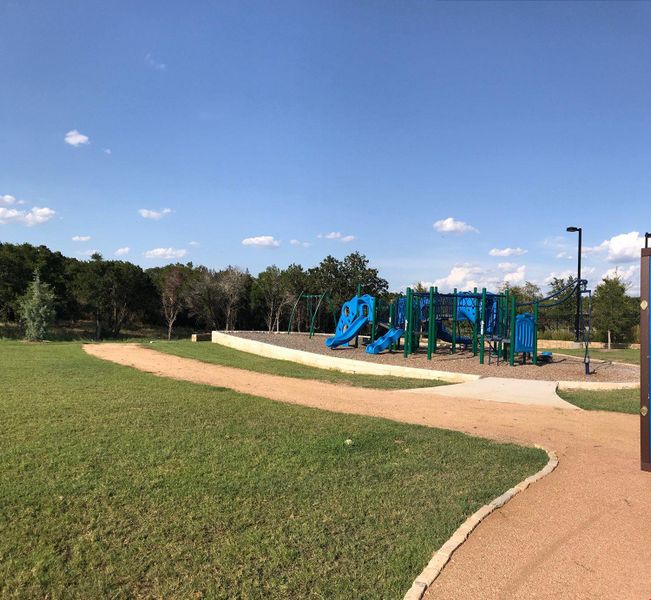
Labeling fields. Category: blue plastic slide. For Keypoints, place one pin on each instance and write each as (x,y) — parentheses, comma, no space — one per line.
(383,342)
(443,334)
(351,331)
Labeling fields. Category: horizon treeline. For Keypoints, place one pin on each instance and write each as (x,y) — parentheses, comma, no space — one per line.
(116,294)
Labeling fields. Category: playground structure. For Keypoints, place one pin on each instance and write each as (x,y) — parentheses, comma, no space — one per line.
(492,324)
(310,305)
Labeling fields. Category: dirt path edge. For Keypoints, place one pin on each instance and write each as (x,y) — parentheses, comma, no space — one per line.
(441,557)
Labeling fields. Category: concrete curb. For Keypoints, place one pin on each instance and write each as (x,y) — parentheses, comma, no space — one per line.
(441,557)
(597,385)
(333,363)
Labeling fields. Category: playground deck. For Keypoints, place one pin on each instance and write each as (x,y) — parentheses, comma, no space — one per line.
(563,368)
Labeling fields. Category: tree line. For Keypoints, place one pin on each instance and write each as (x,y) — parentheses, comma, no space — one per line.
(114,294)
(39,285)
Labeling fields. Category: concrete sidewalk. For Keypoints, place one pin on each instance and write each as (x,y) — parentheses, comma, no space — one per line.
(501,389)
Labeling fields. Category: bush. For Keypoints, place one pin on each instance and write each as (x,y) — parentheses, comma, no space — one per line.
(36,309)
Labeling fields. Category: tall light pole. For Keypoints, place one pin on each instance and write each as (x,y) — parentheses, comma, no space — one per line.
(578,281)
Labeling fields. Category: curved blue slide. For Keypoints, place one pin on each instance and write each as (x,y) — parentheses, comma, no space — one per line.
(383,342)
(345,336)
(443,334)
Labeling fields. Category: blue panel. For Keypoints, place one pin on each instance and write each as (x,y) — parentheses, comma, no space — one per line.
(525,329)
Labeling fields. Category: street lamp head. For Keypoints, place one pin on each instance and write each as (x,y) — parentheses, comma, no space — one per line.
(572,229)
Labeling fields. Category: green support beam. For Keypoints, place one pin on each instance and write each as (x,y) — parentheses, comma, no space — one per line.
(454,322)
(482,327)
(534,358)
(475,301)
(430,324)
(512,341)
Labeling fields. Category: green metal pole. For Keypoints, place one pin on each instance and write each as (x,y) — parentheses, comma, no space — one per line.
(503,318)
(430,324)
(408,308)
(474,325)
(512,341)
(482,326)
(454,323)
(534,358)
(359,290)
(291,316)
(374,319)
(436,296)
(392,308)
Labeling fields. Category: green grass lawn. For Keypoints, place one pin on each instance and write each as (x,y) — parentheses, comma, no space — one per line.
(625,401)
(222,355)
(627,355)
(118,484)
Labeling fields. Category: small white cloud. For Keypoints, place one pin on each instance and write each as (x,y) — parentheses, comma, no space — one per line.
(564,254)
(34,216)
(506,266)
(7,200)
(299,243)
(80,238)
(261,241)
(107,151)
(166,253)
(504,252)
(336,235)
(146,213)
(74,138)
(451,225)
(122,251)
(193,243)
(154,64)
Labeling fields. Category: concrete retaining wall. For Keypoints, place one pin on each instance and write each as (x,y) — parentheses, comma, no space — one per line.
(332,363)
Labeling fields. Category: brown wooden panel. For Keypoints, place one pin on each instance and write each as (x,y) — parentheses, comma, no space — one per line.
(645,442)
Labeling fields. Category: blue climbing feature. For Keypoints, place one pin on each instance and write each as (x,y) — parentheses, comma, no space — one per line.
(383,342)
(525,331)
(355,314)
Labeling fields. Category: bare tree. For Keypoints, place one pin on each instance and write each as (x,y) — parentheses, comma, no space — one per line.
(173,295)
(232,283)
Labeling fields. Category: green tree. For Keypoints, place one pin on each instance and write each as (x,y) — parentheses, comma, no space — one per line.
(614,314)
(37,309)
(173,283)
(268,295)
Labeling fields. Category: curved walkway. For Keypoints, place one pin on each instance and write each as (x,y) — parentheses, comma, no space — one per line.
(582,532)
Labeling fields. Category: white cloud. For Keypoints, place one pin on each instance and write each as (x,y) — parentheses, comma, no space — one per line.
(261,241)
(7,200)
(506,266)
(504,252)
(80,238)
(122,251)
(193,243)
(515,276)
(336,235)
(564,255)
(451,225)
(560,275)
(74,138)
(460,277)
(624,247)
(629,275)
(154,64)
(107,151)
(299,243)
(34,216)
(146,213)
(166,253)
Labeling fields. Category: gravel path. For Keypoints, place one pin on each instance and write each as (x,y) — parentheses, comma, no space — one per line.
(583,532)
(563,368)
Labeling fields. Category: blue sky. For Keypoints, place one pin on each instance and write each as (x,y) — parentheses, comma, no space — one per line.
(422,134)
